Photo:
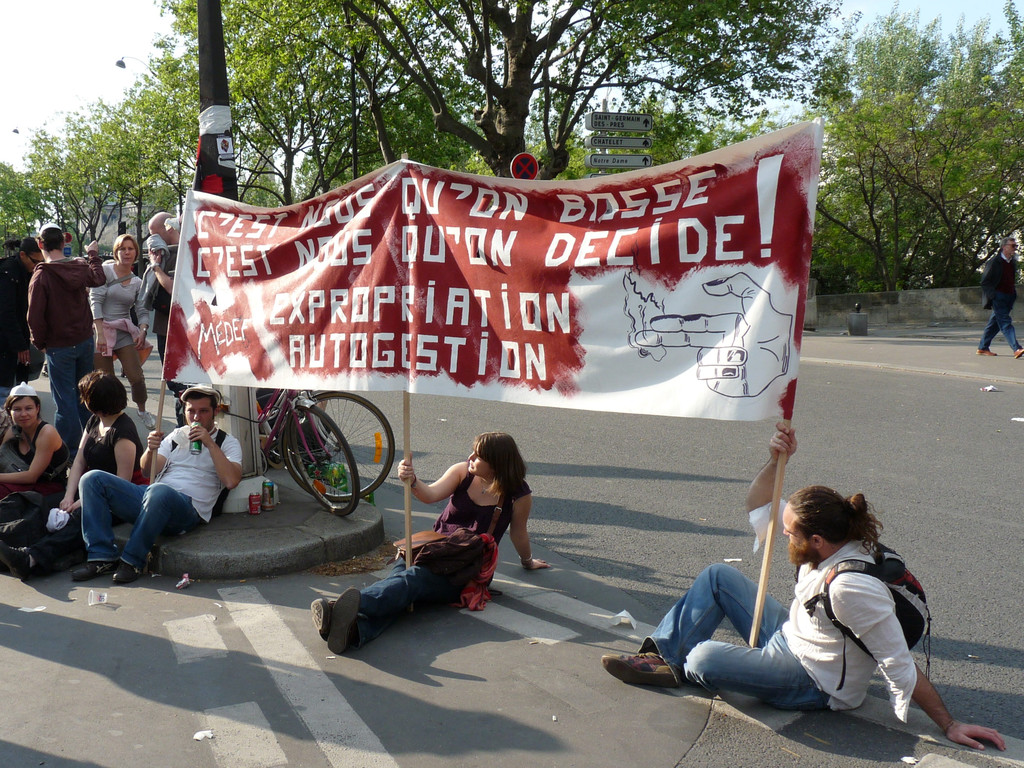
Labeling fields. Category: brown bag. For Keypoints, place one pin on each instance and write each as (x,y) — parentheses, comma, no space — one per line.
(418,541)
(458,556)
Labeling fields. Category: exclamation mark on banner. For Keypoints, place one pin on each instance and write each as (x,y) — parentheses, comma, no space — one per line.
(767,187)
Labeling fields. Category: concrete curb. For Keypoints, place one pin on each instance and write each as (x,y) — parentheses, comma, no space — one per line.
(298,534)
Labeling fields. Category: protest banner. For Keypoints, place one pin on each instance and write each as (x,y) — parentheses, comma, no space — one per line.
(677,290)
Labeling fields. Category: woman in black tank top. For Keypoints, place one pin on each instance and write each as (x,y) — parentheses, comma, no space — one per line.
(32,452)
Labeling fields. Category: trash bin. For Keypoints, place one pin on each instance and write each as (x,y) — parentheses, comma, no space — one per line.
(857,323)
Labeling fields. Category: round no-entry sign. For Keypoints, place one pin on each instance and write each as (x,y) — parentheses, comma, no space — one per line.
(524,166)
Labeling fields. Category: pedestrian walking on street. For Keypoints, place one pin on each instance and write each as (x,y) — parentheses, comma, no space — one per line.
(999,292)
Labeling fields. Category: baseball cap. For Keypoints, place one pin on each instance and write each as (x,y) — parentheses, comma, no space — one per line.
(203,390)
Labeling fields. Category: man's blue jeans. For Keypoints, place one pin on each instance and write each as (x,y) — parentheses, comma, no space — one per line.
(65,366)
(1002,304)
(153,510)
(383,602)
(769,672)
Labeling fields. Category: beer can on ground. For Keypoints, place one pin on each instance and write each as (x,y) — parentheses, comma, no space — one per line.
(267,501)
(254,503)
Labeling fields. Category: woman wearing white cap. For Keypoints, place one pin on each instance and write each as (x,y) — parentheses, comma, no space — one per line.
(32,455)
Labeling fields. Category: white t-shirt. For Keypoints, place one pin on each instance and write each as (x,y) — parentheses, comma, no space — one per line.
(864,604)
(195,475)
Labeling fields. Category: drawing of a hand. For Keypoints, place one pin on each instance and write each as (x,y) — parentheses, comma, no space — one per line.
(733,358)
(745,364)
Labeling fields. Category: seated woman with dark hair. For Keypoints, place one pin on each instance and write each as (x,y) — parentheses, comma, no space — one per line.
(488,494)
(32,455)
(110,443)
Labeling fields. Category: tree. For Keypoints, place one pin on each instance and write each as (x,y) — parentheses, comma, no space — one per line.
(71,186)
(923,168)
(482,70)
(303,120)
(19,203)
(163,107)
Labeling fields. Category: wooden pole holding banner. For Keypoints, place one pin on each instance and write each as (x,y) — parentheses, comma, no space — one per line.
(159,421)
(407,454)
(769,546)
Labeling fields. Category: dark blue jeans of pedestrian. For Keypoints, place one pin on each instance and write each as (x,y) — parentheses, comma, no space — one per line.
(381,603)
(770,672)
(1002,304)
(153,510)
(65,366)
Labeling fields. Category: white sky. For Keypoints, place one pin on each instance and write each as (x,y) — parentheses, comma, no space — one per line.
(59,55)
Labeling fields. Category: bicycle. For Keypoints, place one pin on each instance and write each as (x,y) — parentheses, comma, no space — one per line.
(294,432)
(367,432)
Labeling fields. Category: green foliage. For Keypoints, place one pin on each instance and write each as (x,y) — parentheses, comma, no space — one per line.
(459,79)
(19,203)
(923,168)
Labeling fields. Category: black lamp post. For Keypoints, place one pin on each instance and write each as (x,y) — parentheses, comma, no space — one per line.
(215,171)
(215,174)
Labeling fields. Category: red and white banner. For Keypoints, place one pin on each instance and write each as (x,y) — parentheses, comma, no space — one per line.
(677,290)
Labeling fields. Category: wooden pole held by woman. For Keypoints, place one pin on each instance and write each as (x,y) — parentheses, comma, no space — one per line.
(407,455)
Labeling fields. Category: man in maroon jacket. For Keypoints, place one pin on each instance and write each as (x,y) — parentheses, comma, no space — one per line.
(61,325)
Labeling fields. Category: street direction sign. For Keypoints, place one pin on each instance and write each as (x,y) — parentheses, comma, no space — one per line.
(618,121)
(618,142)
(594,160)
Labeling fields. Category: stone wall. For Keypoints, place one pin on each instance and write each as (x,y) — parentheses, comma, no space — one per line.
(935,305)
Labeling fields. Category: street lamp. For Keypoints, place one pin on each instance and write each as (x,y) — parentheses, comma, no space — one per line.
(120,64)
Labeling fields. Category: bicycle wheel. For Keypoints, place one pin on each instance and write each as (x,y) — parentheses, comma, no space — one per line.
(318,457)
(367,431)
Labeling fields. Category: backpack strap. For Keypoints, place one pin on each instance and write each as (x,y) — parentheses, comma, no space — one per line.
(823,597)
(219,439)
(494,520)
(115,279)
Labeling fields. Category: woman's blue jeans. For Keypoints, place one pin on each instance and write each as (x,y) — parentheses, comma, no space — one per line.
(383,602)
(769,672)
(153,510)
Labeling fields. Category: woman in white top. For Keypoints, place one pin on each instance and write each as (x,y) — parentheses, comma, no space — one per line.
(116,334)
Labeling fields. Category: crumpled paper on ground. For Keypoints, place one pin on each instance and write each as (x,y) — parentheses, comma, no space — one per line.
(623,617)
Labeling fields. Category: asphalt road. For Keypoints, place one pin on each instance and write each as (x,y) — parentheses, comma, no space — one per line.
(645,503)
(624,505)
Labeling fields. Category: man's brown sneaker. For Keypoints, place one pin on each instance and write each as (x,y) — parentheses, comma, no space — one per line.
(640,669)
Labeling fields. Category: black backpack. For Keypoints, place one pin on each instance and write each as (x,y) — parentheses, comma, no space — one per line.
(907,592)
